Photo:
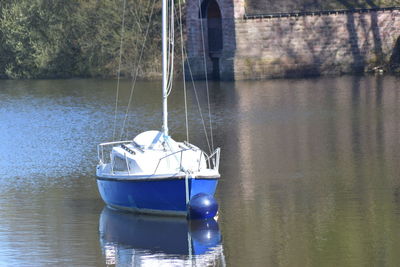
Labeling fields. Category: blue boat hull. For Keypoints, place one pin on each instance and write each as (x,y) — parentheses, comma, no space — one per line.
(158,196)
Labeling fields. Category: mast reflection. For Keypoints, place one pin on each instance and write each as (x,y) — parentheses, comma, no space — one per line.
(130,239)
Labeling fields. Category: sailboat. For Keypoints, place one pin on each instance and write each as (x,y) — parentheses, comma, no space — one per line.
(152,173)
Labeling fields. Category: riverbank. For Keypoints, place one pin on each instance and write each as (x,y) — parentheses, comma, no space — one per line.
(52,39)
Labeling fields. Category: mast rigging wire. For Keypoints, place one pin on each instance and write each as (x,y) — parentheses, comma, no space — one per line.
(119,69)
(170,72)
(170,61)
(198,103)
(206,77)
(134,78)
(183,71)
(185,56)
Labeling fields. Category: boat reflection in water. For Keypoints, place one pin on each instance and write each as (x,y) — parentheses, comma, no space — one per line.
(129,239)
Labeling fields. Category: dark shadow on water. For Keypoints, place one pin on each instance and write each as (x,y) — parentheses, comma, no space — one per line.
(356,118)
(380,116)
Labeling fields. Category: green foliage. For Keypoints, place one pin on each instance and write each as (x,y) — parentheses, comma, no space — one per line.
(76,38)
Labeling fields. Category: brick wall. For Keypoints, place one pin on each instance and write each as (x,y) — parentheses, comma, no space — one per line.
(314,45)
(294,46)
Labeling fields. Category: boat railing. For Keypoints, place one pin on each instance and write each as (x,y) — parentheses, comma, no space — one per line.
(172,154)
(101,148)
(212,160)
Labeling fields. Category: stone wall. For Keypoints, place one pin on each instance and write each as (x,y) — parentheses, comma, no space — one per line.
(287,6)
(314,45)
(319,44)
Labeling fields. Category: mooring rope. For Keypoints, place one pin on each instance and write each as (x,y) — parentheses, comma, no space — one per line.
(187,197)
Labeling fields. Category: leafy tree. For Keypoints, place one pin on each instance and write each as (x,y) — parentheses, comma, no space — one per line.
(65,38)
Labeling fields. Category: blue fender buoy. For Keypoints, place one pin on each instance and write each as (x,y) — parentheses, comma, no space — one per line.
(202,206)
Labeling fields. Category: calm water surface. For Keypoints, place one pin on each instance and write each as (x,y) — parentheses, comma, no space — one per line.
(310,174)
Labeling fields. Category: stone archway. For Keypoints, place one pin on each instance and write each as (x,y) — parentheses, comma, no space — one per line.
(210,10)
(221,60)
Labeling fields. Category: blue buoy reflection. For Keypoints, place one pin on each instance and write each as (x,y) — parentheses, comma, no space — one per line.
(132,240)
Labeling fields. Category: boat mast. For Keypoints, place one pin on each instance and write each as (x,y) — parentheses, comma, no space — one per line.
(164,66)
